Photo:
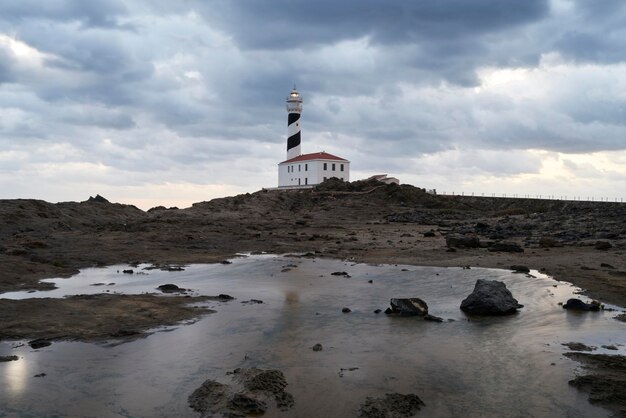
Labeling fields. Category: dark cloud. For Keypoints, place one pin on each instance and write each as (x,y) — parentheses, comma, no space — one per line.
(89,13)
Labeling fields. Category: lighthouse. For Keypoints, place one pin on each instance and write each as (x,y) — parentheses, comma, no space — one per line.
(294,109)
(306,170)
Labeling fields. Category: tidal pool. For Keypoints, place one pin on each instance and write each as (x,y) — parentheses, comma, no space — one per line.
(500,366)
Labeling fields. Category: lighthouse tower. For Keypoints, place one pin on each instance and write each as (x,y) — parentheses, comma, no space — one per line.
(294,108)
(306,170)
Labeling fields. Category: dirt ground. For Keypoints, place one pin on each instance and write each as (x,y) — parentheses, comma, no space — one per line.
(579,242)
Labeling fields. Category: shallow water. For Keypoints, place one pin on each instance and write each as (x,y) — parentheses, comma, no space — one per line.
(483,367)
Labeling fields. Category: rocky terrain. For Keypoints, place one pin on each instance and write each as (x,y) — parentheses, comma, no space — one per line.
(578,242)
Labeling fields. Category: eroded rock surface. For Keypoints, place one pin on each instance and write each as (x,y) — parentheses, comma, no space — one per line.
(252,392)
(392,405)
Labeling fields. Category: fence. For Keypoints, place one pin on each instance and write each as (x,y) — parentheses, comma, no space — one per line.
(538,196)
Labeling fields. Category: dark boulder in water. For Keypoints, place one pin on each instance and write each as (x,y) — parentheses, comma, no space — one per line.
(579,305)
(170,288)
(490,297)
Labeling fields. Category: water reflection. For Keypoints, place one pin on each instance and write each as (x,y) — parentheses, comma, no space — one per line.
(483,367)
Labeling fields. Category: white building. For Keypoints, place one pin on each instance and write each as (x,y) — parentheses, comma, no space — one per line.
(310,169)
(306,169)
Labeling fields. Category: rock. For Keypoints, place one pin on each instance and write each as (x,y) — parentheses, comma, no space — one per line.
(506,247)
(40,375)
(170,288)
(606,347)
(621,317)
(39,343)
(602,245)
(490,297)
(575,346)
(129,271)
(346,310)
(520,269)
(8,358)
(429,317)
(392,405)
(340,273)
(409,307)
(317,347)
(607,266)
(462,241)
(247,404)
(451,250)
(579,305)
(389,311)
(429,234)
(377,311)
(223,296)
(97,199)
(226,262)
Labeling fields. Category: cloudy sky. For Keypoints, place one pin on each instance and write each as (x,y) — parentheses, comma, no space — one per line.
(162,102)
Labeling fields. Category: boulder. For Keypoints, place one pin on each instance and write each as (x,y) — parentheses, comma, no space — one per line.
(409,307)
(579,305)
(490,297)
(603,245)
(170,288)
(462,241)
(506,247)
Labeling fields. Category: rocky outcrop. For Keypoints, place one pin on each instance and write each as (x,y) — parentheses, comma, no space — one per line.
(490,297)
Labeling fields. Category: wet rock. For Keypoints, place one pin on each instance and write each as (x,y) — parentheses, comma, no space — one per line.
(173,268)
(433,318)
(506,247)
(377,311)
(607,266)
(129,271)
(39,343)
(247,404)
(392,405)
(209,398)
(462,241)
(490,297)
(610,347)
(346,310)
(8,358)
(249,394)
(602,245)
(576,346)
(40,375)
(579,305)
(223,296)
(409,307)
(520,269)
(317,347)
(340,273)
(226,262)
(171,288)
(388,311)
(429,234)
(621,317)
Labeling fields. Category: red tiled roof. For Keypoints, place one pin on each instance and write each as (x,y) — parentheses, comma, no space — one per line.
(314,156)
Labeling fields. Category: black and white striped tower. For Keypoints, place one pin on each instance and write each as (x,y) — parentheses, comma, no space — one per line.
(294,108)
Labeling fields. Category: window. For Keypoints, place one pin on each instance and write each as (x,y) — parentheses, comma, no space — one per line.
(306,180)
(299,167)
(324,178)
(306,167)
(341,167)
(298,182)
(333,166)
(325,168)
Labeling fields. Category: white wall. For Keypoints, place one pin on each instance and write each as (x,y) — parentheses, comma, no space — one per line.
(311,172)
